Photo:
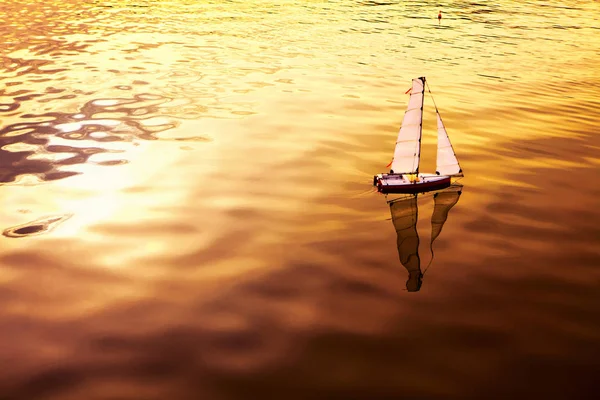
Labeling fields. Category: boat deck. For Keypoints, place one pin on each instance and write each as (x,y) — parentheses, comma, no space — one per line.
(410,183)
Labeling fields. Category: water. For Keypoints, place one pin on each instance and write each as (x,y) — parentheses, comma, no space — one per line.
(188,213)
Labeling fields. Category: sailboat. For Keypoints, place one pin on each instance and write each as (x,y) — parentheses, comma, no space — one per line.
(405,215)
(404,176)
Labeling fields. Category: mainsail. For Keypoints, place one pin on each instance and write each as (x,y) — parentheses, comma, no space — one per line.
(404,216)
(447,163)
(408,145)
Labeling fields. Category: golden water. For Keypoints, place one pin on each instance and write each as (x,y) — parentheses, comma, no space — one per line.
(188,212)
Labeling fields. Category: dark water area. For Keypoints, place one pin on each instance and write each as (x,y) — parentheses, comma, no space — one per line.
(187,209)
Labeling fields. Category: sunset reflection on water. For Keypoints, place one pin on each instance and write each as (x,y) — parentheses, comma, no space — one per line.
(187,209)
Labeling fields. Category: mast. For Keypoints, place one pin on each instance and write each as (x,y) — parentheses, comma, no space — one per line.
(408,146)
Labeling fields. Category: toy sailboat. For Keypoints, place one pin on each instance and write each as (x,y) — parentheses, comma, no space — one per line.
(405,215)
(404,177)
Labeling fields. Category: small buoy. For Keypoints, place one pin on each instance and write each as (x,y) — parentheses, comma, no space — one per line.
(439,16)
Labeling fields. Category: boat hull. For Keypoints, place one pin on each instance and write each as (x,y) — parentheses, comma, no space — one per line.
(401,183)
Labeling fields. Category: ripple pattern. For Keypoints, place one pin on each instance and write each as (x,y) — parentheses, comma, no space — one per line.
(187,209)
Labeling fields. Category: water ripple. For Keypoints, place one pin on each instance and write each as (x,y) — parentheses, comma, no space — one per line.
(225,240)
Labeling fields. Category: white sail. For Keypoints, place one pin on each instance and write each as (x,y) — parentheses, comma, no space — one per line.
(408,145)
(447,163)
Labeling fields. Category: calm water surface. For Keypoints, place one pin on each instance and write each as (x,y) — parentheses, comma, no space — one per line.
(187,210)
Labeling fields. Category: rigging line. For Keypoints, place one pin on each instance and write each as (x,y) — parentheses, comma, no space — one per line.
(431,260)
(431,95)
(416,220)
(431,250)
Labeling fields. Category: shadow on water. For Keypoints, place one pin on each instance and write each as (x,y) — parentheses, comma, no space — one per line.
(36,227)
(405,214)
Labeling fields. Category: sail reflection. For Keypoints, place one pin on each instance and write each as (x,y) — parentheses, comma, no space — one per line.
(405,214)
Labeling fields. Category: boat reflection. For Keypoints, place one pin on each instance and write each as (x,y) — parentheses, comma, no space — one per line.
(405,215)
